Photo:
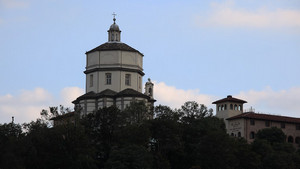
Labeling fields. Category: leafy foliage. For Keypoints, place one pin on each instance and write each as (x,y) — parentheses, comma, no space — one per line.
(187,138)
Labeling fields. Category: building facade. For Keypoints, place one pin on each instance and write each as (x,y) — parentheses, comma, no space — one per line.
(114,73)
(247,124)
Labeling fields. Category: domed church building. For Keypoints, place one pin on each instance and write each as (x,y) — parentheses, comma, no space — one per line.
(114,73)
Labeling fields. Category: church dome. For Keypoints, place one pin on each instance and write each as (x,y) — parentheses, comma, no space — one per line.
(114,27)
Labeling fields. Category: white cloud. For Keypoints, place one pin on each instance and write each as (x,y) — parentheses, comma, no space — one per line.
(228,15)
(175,98)
(69,94)
(283,102)
(27,105)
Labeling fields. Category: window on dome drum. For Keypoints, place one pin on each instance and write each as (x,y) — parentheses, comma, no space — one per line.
(108,78)
(252,135)
(91,80)
(267,123)
(282,125)
(297,126)
(128,79)
(252,122)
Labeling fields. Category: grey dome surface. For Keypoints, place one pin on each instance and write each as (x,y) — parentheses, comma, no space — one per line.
(114,27)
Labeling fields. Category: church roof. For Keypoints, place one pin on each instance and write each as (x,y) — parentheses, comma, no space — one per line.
(108,46)
(107,92)
(112,94)
(93,95)
(229,98)
(131,93)
(63,116)
(251,115)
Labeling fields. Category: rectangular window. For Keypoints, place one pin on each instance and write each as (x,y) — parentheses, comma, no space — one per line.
(297,126)
(91,80)
(127,79)
(267,123)
(252,122)
(282,125)
(108,78)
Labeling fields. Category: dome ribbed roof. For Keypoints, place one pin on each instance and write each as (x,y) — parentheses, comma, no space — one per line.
(114,27)
(114,46)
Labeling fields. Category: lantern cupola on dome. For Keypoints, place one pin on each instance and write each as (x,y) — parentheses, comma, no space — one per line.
(114,32)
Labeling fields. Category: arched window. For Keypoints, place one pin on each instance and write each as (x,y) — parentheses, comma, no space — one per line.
(235,107)
(239,134)
(290,139)
(225,107)
(150,91)
(112,37)
(222,107)
(240,108)
(252,135)
(297,140)
(231,107)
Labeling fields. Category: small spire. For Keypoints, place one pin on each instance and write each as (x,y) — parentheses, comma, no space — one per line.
(114,14)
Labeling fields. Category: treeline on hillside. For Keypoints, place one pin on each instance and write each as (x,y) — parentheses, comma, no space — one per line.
(187,138)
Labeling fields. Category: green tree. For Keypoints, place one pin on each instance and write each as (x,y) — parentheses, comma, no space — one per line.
(272,135)
(137,112)
(10,136)
(192,110)
(130,157)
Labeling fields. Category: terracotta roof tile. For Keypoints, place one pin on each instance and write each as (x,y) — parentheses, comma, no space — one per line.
(251,115)
(229,98)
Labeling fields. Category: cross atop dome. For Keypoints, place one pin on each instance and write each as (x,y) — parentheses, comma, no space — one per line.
(114,14)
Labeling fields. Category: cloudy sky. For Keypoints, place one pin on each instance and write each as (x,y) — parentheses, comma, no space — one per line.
(194,50)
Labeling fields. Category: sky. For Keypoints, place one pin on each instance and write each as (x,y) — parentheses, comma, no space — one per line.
(193,51)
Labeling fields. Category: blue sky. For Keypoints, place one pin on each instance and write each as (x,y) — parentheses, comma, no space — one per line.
(194,50)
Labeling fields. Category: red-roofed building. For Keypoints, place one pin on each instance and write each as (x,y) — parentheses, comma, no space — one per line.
(247,124)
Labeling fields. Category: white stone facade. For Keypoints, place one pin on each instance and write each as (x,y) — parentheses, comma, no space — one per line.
(114,73)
